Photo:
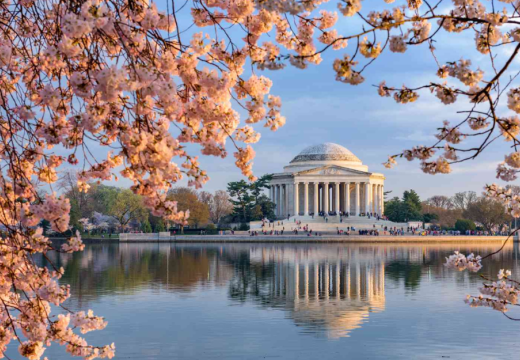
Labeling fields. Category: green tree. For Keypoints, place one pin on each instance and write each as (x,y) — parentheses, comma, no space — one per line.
(241,199)
(146,227)
(249,202)
(156,222)
(127,207)
(261,184)
(429,217)
(256,213)
(99,198)
(490,213)
(464,224)
(411,206)
(267,207)
(405,209)
(394,210)
(188,199)
(45,225)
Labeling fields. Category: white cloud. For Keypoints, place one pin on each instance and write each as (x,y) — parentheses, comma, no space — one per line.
(415,136)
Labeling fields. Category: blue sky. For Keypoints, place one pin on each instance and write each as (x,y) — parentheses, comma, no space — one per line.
(319,109)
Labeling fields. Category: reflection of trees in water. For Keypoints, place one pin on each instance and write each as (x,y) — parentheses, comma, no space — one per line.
(410,263)
(410,273)
(318,284)
(250,279)
(128,268)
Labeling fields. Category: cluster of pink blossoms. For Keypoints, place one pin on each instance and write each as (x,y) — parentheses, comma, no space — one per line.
(506,197)
(497,294)
(461,262)
(133,77)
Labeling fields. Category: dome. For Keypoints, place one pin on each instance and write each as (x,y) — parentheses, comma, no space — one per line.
(324,152)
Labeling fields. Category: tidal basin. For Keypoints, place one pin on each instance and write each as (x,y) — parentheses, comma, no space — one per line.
(291,301)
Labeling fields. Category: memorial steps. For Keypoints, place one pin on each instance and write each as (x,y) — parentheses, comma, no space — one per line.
(331,226)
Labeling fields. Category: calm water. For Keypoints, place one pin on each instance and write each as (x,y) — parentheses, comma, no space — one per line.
(167,301)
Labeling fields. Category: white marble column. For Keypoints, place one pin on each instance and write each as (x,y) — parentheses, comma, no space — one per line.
(296,199)
(306,199)
(284,191)
(357,199)
(286,200)
(277,199)
(367,197)
(333,197)
(347,197)
(326,198)
(382,199)
(282,200)
(322,197)
(274,198)
(373,201)
(316,198)
(337,199)
(376,199)
(379,199)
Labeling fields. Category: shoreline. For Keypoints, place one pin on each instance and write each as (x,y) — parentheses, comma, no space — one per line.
(318,239)
(342,239)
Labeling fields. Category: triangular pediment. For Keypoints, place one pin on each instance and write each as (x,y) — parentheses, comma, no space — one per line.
(332,170)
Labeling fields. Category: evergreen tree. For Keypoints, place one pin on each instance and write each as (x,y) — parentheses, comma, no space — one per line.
(412,206)
(241,199)
(267,207)
(464,224)
(249,202)
(259,186)
(146,227)
(159,227)
(406,209)
(394,210)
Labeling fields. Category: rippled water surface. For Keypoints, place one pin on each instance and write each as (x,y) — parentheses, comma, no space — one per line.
(250,301)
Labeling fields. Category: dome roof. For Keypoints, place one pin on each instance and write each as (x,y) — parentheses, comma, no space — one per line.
(325,151)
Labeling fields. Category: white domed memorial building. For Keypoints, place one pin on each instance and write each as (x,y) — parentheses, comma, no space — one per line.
(327,179)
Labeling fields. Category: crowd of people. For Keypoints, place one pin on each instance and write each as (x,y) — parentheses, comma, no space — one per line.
(298,228)
(346,214)
(392,231)
(462,233)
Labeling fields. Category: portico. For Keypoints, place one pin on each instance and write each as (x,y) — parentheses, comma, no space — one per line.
(327,179)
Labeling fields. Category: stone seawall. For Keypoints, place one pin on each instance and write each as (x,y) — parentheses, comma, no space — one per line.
(316,239)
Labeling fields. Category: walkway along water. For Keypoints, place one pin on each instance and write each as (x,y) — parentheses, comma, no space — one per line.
(245,238)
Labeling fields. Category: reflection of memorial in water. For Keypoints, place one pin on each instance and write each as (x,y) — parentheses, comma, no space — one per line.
(324,288)
(331,292)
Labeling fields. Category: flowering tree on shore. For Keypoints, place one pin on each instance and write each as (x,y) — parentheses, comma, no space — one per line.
(143,81)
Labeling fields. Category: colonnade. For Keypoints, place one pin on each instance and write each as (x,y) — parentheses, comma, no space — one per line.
(324,280)
(310,198)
